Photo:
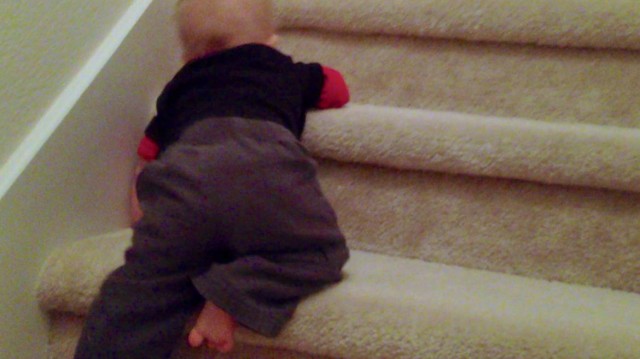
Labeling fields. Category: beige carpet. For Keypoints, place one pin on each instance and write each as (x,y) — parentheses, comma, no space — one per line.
(486,175)
(565,154)
(390,307)
(496,79)
(576,23)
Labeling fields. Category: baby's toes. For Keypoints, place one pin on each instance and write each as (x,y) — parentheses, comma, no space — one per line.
(195,339)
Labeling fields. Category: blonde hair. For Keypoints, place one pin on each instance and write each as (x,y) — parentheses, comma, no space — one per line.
(211,25)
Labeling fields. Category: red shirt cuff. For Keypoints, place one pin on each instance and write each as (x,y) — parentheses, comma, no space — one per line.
(148,150)
(335,92)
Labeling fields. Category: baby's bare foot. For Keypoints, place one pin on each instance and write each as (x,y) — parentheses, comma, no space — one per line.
(214,328)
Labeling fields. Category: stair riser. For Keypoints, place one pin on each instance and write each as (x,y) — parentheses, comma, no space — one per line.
(568,234)
(507,80)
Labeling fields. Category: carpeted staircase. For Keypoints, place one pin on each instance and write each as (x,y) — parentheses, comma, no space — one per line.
(487,176)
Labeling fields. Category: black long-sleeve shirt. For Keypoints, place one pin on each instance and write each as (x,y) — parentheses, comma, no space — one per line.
(250,81)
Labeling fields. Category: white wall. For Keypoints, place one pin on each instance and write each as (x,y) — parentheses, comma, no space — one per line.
(44,43)
(77,184)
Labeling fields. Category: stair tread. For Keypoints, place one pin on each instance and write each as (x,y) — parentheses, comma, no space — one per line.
(610,24)
(415,139)
(409,308)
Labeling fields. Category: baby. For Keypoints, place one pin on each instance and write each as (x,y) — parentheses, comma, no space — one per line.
(231,219)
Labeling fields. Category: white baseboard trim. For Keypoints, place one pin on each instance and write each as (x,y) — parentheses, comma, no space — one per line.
(64,103)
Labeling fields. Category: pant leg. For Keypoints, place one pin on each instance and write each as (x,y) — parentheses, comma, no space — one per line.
(262,291)
(281,229)
(136,317)
(143,306)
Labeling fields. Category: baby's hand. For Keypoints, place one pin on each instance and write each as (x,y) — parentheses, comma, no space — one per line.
(214,328)
(136,212)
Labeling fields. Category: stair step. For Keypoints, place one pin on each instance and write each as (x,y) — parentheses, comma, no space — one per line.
(390,307)
(400,308)
(397,205)
(569,234)
(388,173)
(516,148)
(548,84)
(72,274)
(600,24)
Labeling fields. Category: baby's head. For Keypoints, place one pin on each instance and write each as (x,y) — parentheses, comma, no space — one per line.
(207,26)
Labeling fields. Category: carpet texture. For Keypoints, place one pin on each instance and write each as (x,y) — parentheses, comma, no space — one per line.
(486,176)
(574,85)
(392,307)
(581,155)
(579,23)
(399,308)
(568,234)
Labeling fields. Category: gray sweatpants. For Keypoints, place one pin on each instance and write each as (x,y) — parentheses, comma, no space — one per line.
(233,213)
